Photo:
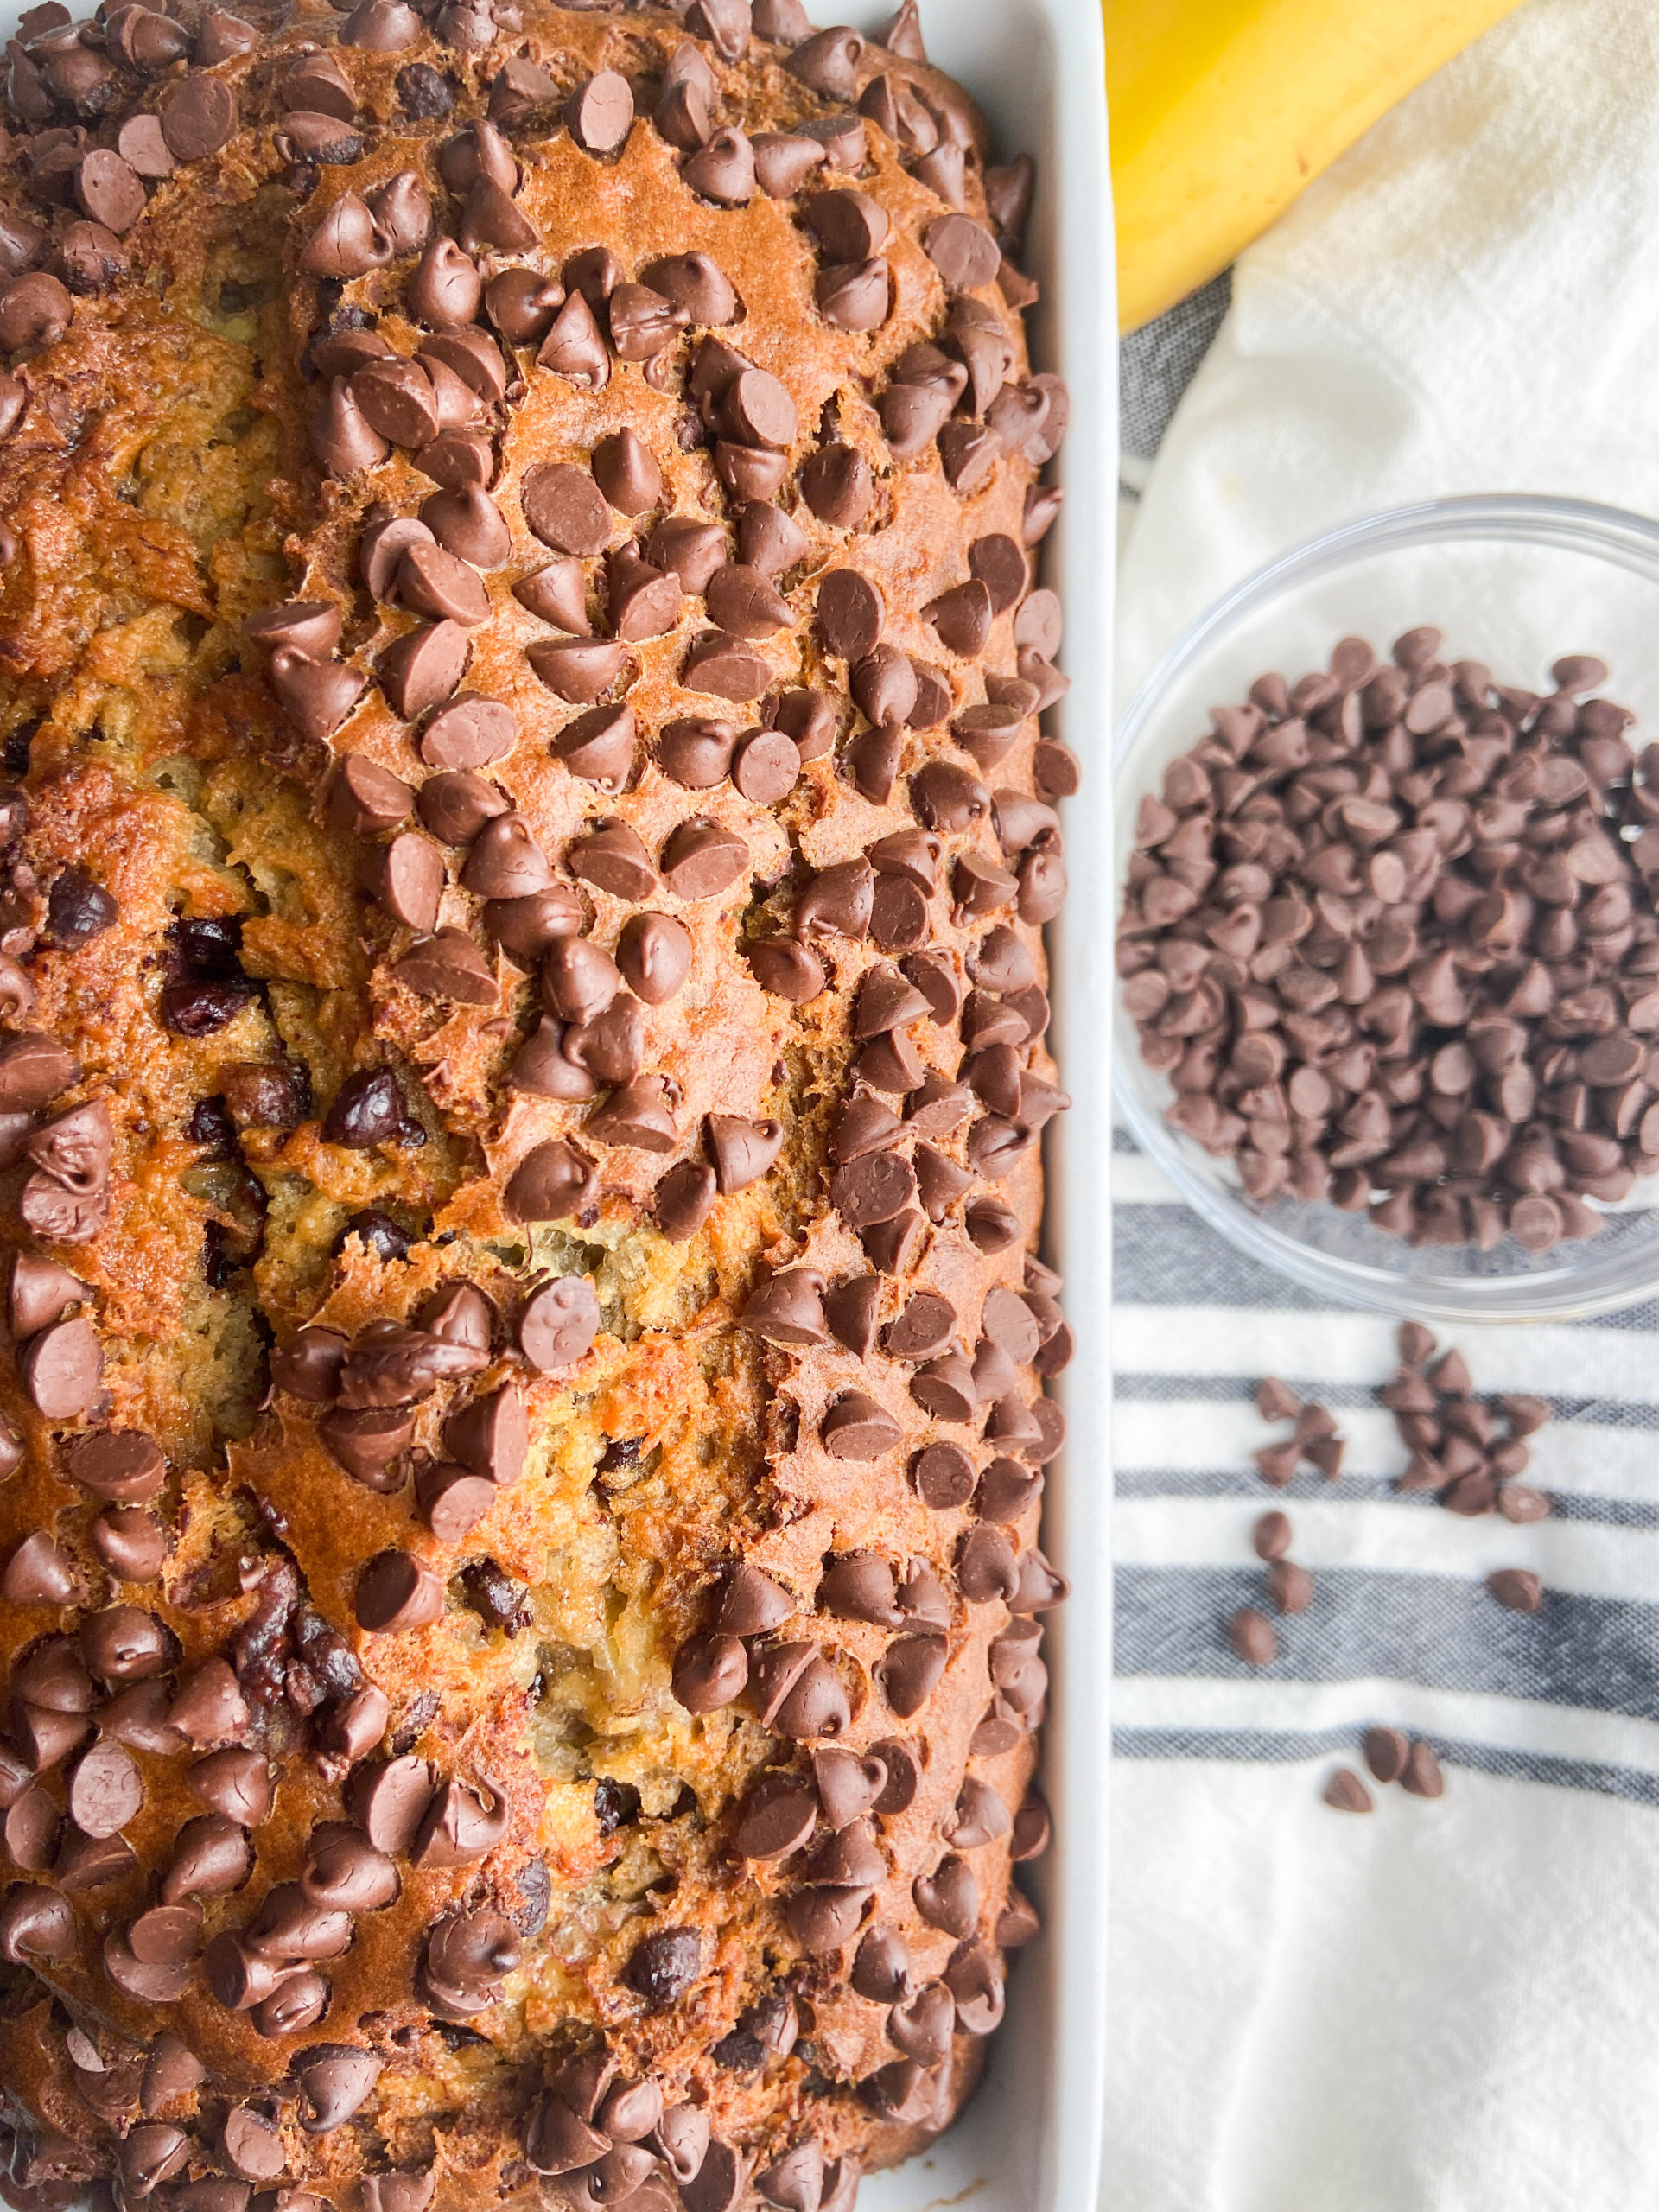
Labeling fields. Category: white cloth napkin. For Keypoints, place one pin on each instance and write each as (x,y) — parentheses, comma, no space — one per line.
(1448,2005)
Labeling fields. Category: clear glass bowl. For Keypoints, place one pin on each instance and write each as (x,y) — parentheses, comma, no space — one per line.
(1514,580)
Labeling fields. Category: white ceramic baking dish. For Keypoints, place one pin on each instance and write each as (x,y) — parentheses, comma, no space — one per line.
(1030,2139)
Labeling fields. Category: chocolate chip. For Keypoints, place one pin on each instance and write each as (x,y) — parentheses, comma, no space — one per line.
(234,1784)
(1516,1588)
(130,1543)
(965,253)
(557,594)
(34,1069)
(663,1967)
(703,858)
(642,601)
(787,970)
(470,527)
(788,1309)
(577,670)
(396,1593)
(334,2080)
(1421,1776)
(1290,1587)
(849,225)
(252,2144)
(855,297)
(109,191)
(742,1151)
(393,1365)
(553,1182)
(389,1800)
(1346,1793)
(506,861)
(1253,1637)
(710,1672)
(654,955)
(949,1897)
(200,116)
(61,1370)
(368,1110)
(574,347)
(744,605)
(445,289)
(856,1426)
(364,797)
(558,1324)
(522,304)
(777,1818)
(875,1188)
(999,563)
(347,243)
(1386,1752)
(961,619)
(828,62)
(469,733)
(491,1436)
(643,325)
(723,169)
(600,114)
(78,910)
(366,1443)
(943,1476)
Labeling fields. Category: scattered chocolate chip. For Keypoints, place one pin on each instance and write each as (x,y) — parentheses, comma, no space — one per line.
(1516,1588)
(1290,1587)
(1346,1793)
(1386,1752)
(1253,1637)
(1421,1776)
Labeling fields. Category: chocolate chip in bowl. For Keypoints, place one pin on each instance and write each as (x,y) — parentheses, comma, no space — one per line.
(1387,947)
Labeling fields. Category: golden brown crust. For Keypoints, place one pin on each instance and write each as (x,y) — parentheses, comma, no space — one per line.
(327,1632)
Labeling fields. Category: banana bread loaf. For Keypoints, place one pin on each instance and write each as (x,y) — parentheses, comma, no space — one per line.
(526,835)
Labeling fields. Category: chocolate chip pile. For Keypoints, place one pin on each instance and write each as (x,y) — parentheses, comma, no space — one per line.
(1469,1450)
(1315,1440)
(1390,932)
(1392,1755)
(522,1017)
(1289,1588)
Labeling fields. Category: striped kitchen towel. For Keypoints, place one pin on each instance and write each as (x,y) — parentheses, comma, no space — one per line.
(1450,2004)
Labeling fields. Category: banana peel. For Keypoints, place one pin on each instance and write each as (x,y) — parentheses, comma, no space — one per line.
(1222,110)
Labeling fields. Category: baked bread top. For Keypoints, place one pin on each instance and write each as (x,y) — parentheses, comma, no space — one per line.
(523,996)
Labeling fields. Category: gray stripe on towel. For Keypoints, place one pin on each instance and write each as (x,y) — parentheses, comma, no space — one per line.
(1256,1746)
(1240,1389)
(1359,1489)
(1601,1653)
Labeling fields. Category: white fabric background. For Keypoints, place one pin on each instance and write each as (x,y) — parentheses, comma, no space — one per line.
(1452,2006)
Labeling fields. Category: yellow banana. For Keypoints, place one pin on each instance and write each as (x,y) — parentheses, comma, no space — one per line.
(1222,110)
